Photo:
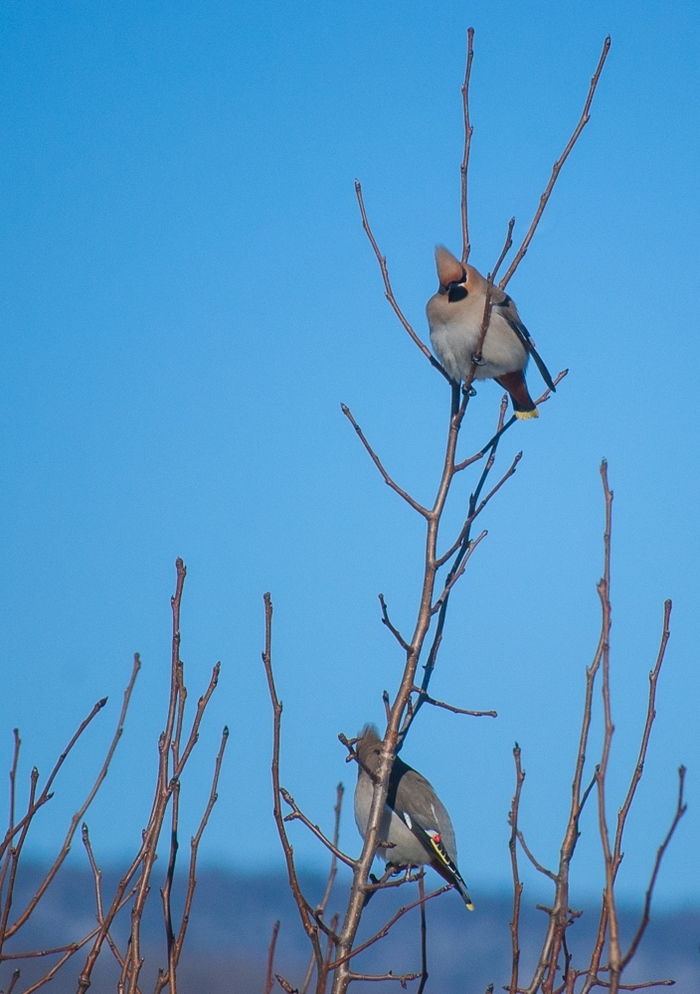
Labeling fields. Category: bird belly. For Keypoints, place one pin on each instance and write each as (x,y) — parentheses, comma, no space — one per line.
(405,848)
(455,342)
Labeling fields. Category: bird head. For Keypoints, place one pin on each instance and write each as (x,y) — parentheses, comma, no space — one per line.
(368,747)
(456,279)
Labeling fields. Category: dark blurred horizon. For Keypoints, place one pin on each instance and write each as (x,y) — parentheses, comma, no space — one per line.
(233,916)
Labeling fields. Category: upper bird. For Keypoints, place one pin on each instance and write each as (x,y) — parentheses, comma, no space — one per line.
(414,823)
(455,315)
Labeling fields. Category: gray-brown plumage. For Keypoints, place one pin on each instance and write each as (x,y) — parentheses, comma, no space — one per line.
(455,315)
(414,822)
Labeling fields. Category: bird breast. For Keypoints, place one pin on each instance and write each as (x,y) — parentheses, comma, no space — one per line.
(455,330)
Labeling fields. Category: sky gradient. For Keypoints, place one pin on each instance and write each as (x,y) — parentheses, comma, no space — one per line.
(188,298)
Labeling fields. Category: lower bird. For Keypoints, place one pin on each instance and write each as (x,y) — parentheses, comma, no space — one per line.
(455,316)
(415,828)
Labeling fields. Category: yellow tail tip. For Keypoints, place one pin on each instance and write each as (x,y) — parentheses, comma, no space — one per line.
(524,415)
(470,907)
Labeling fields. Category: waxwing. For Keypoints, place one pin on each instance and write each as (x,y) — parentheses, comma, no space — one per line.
(455,314)
(415,822)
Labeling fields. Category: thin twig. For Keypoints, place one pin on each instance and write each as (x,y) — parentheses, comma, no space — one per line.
(517,884)
(583,121)
(305,911)
(388,292)
(423,935)
(78,816)
(681,808)
(385,928)
(270,976)
(538,866)
(377,462)
(297,814)
(468,131)
(450,707)
(394,631)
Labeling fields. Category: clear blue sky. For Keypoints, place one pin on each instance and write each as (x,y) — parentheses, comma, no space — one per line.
(188,296)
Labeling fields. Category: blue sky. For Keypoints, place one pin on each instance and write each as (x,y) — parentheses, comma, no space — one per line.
(188,297)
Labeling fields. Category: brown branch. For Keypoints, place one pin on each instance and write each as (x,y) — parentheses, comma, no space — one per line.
(175,947)
(285,985)
(449,707)
(78,816)
(537,865)
(468,131)
(504,251)
(386,928)
(583,121)
(310,927)
(681,808)
(423,935)
(166,786)
(270,976)
(45,794)
(394,631)
(517,884)
(323,903)
(403,979)
(558,914)
(388,292)
(499,430)
(377,462)
(456,574)
(297,814)
(477,511)
(651,714)
(609,729)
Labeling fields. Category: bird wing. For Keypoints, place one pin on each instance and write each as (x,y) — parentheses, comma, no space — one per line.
(431,841)
(506,308)
(409,791)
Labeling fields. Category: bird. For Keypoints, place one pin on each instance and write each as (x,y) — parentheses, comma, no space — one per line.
(455,315)
(414,824)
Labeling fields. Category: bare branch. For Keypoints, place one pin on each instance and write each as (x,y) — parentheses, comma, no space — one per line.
(270,977)
(377,462)
(583,121)
(468,131)
(450,707)
(394,631)
(388,292)
(298,814)
(681,808)
(517,885)
(385,929)
(305,911)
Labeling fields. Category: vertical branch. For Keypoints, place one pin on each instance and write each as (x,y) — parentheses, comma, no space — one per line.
(604,593)
(556,169)
(310,927)
(423,934)
(270,975)
(517,883)
(468,131)
(558,916)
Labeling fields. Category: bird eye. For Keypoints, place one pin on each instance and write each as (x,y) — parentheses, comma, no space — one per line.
(456,291)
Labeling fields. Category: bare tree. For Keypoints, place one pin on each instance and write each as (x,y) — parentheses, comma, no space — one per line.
(175,747)
(334,947)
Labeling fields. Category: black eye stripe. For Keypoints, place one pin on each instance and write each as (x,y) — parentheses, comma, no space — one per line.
(455,292)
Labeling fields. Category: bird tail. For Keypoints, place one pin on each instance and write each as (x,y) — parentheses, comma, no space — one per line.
(523,404)
(462,888)
(447,868)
